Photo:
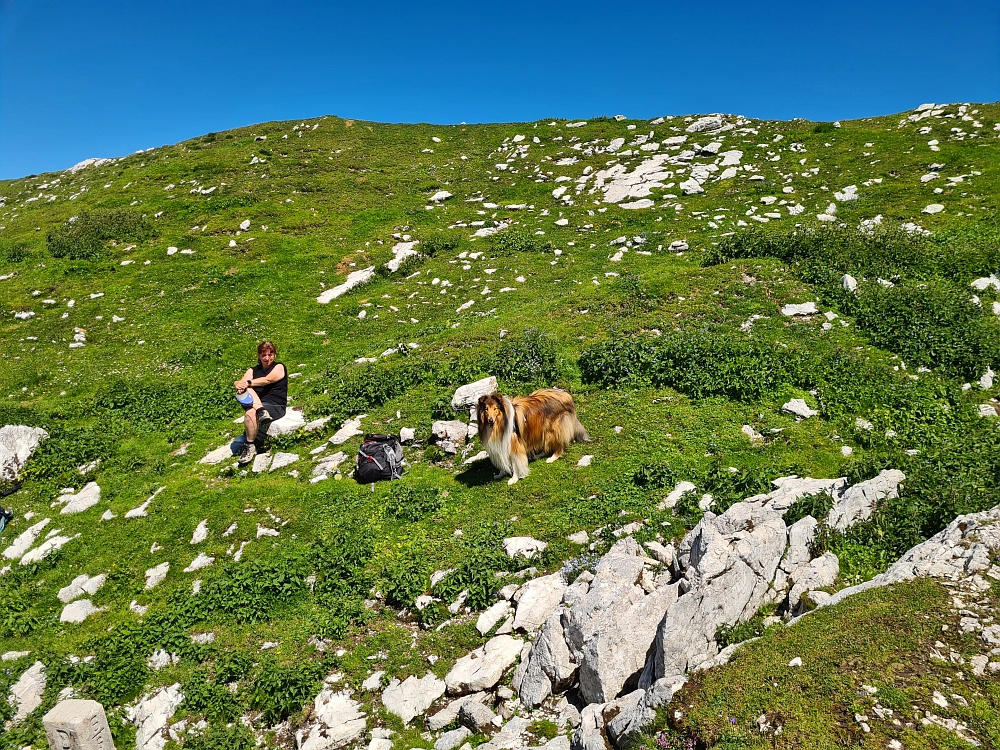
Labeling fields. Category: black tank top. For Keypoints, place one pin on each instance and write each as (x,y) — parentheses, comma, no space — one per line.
(272,393)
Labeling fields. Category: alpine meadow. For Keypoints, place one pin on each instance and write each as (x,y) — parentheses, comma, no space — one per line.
(783,531)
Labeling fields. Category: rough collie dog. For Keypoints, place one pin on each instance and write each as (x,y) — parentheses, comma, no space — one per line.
(516,430)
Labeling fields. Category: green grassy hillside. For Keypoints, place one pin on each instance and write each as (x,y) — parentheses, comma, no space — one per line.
(663,321)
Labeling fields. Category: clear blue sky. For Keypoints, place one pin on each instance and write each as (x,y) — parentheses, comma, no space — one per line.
(106,78)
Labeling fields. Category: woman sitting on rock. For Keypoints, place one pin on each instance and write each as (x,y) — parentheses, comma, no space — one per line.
(263,393)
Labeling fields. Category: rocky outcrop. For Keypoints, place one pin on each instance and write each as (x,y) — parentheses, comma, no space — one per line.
(412,697)
(26,693)
(482,668)
(537,599)
(857,503)
(732,559)
(339,722)
(151,715)
(17,443)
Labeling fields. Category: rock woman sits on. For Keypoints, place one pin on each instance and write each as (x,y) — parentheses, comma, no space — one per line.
(263,394)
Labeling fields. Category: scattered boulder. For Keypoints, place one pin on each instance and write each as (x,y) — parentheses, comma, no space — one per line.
(79,611)
(468,395)
(537,600)
(293,420)
(492,616)
(857,502)
(548,667)
(454,738)
(523,546)
(82,584)
(151,714)
(26,693)
(354,279)
(799,408)
(450,435)
(477,717)
(339,722)
(413,696)
(24,541)
(17,443)
(80,501)
(806,308)
(449,714)
(482,668)
(154,576)
(78,724)
(705,124)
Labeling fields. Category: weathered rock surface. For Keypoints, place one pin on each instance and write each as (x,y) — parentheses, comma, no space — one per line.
(962,549)
(482,668)
(523,546)
(151,714)
(857,502)
(25,539)
(339,722)
(26,693)
(413,696)
(449,713)
(732,559)
(492,616)
(17,443)
(354,279)
(550,666)
(79,611)
(467,396)
(83,500)
(538,599)
(454,738)
(476,717)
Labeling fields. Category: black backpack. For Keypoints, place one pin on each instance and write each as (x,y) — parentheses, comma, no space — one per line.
(380,458)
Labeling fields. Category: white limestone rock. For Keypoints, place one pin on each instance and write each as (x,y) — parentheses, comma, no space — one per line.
(82,584)
(799,408)
(547,667)
(281,460)
(468,395)
(731,560)
(454,738)
(200,533)
(201,561)
(80,501)
(805,308)
(46,548)
(79,611)
(705,124)
(339,722)
(154,576)
(858,502)
(819,573)
(523,546)
(350,428)
(17,443)
(151,714)
(354,280)
(482,668)
(537,600)
(25,539)
(679,490)
(492,616)
(26,693)
(412,697)
(293,421)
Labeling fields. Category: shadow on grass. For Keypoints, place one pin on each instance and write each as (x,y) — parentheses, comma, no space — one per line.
(477,474)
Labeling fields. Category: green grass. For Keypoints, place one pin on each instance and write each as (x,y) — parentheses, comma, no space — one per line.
(882,639)
(656,350)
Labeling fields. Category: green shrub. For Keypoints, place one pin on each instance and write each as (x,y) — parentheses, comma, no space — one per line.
(439,243)
(221,737)
(282,690)
(696,365)
(251,591)
(171,407)
(405,580)
(824,127)
(627,296)
(14,252)
(68,448)
(212,699)
(411,503)
(85,238)
(340,564)
(817,506)
(441,408)
(516,240)
(530,357)
(727,635)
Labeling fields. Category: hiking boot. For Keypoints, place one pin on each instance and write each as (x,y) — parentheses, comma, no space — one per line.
(247,454)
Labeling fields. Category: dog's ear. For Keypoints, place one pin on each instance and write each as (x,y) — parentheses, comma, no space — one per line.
(482,401)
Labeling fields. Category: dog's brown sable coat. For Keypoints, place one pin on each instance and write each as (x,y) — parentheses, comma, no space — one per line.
(516,430)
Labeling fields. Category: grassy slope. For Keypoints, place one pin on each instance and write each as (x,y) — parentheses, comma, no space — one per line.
(331,199)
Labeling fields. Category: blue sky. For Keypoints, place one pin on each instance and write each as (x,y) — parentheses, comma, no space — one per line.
(85,79)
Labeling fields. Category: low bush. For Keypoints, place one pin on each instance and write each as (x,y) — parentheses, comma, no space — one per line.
(221,737)
(86,237)
(405,580)
(412,502)
(516,240)
(279,691)
(439,244)
(696,365)
(528,358)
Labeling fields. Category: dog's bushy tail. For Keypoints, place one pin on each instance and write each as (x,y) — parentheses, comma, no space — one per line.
(580,434)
